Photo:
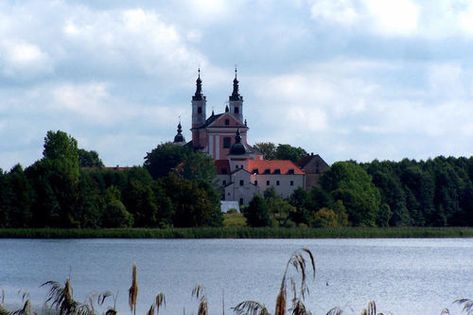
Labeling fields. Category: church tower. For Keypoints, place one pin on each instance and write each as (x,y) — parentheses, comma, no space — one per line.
(198,112)
(236,100)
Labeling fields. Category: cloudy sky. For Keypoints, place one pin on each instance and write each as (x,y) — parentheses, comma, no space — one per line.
(348,79)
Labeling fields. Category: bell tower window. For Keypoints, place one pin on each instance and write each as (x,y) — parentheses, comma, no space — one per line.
(199,110)
(237,110)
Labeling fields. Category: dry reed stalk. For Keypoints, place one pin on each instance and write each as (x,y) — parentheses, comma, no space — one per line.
(199,293)
(250,308)
(133,291)
(151,310)
(335,311)
(62,297)
(297,261)
(467,305)
(160,300)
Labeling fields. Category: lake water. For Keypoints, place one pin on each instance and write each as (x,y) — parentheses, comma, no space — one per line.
(403,276)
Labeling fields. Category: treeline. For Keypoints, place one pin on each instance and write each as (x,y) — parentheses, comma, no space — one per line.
(436,192)
(70,188)
(175,187)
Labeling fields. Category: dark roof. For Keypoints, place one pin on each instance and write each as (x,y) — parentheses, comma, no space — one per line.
(303,161)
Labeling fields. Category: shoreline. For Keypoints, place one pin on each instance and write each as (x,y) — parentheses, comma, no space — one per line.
(241,233)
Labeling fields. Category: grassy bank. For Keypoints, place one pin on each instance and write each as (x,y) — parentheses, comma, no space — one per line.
(241,232)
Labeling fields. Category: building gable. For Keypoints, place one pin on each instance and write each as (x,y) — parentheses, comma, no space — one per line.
(226,120)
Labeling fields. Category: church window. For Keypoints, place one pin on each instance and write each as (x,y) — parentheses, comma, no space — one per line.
(290,171)
(241,201)
(277,171)
(277,183)
(237,110)
(317,170)
(224,182)
(292,183)
(267,171)
(227,122)
(241,182)
(267,183)
(256,183)
(223,171)
(255,171)
(227,142)
(199,110)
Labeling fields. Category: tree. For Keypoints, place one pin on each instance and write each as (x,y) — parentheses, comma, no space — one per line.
(268,149)
(62,148)
(349,182)
(55,180)
(89,208)
(115,214)
(18,198)
(257,213)
(288,152)
(300,199)
(325,217)
(195,203)
(89,159)
(165,157)
(139,198)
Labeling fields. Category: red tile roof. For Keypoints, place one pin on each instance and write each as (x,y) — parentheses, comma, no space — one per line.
(222,167)
(283,165)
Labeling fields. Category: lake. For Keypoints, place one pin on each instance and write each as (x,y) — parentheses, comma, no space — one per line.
(403,276)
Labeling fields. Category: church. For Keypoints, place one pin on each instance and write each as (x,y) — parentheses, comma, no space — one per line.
(241,169)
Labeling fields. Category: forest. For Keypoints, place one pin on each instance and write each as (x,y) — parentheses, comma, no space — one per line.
(69,187)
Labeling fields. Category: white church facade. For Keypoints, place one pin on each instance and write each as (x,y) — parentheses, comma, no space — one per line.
(241,170)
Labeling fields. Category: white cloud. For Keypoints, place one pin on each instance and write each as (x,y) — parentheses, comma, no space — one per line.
(341,12)
(23,59)
(393,17)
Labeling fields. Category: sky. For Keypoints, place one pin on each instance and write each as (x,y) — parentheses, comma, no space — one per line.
(347,79)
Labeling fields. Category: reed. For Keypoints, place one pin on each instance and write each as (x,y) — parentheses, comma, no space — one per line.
(133,291)
(242,232)
(199,293)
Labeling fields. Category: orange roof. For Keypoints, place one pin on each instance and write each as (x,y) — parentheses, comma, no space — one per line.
(264,166)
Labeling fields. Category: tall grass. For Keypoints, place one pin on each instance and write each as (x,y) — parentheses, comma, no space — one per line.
(243,232)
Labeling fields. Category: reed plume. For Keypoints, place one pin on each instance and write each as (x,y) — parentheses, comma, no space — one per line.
(250,308)
(26,310)
(61,297)
(160,301)
(298,261)
(467,305)
(335,311)
(199,293)
(151,310)
(133,291)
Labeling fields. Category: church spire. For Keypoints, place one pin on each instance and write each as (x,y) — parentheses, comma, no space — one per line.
(235,94)
(179,138)
(198,91)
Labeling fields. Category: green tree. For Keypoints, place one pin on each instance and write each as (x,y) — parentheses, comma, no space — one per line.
(341,212)
(115,214)
(268,149)
(139,198)
(18,198)
(198,166)
(325,217)
(89,208)
(55,180)
(349,182)
(300,200)
(195,203)
(89,159)
(288,152)
(3,211)
(164,158)
(257,213)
